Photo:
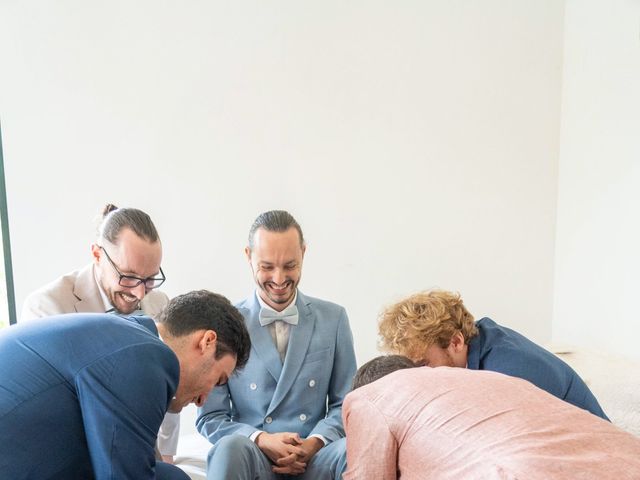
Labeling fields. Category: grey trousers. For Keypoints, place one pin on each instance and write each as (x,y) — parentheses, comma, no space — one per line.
(236,457)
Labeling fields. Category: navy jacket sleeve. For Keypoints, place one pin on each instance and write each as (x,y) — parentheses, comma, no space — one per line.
(503,350)
(123,398)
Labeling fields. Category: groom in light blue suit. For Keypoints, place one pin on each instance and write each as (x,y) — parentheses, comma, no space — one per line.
(281,415)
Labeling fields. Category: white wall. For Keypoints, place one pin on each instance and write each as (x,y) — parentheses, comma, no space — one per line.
(598,265)
(416,142)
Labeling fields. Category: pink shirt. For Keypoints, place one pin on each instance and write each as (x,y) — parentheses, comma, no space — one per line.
(453,423)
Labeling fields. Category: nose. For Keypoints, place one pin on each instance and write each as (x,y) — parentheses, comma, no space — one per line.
(140,291)
(278,276)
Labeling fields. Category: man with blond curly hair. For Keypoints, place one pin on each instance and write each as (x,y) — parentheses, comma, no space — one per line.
(434,328)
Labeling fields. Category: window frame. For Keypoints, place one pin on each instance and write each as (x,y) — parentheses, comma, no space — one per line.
(6,243)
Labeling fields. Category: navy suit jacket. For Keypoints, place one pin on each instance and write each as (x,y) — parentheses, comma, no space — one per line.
(82,397)
(503,350)
(304,395)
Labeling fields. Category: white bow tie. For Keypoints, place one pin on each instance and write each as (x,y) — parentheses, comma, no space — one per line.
(289,315)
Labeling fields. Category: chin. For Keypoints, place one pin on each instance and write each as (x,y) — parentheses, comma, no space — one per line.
(128,311)
(125,307)
(175,407)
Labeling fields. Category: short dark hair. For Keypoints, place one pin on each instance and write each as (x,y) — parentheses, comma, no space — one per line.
(275,221)
(115,219)
(204,310)
(379,367)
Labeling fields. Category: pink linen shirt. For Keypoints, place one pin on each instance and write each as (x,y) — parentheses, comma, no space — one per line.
(452,423)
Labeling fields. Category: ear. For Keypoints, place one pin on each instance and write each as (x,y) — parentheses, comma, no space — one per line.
(304,249)
(456,344)
(247,252)
(96,252)
(208,341)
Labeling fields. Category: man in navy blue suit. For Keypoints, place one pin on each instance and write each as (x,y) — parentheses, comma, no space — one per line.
(434,328)
(82,397)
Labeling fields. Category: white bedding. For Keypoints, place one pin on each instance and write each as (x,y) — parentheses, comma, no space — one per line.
(614,380)
(192,447)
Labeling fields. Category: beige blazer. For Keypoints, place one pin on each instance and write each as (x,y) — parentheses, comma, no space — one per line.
(77,292)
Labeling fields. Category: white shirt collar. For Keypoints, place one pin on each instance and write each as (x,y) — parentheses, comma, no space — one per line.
(103,296)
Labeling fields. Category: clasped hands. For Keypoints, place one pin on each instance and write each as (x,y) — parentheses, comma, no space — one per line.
(288,452)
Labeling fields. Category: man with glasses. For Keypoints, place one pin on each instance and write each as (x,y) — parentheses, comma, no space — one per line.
(121,278)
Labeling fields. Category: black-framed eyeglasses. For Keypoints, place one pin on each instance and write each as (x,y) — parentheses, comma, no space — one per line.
(131,281)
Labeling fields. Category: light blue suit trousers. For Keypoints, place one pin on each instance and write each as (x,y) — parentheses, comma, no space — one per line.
(303,395)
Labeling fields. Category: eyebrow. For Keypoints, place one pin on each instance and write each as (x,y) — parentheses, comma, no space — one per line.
(128,273)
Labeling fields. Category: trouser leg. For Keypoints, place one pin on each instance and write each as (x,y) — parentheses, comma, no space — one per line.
(236,457)
(328,464)
(166,471)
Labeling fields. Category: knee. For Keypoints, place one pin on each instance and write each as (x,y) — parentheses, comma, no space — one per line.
(165,471)
(236,446)
(236,457)
(330,461)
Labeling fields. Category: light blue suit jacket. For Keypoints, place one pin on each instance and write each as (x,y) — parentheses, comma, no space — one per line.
(304,395)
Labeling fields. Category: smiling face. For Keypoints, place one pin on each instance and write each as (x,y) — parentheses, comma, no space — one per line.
(276,263)
(132,255)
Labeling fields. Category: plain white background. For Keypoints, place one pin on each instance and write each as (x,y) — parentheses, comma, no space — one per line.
(598,235)
(418,143)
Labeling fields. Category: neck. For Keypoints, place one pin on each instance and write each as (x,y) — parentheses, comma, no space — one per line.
(162,330)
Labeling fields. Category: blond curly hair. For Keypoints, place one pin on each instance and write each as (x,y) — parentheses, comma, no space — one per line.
(424,319)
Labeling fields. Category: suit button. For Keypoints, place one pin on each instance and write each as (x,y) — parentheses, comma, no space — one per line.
(253,386)
(268,420)
(303,417)
(312,383)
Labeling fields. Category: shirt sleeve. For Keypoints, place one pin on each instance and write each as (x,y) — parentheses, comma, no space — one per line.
(169,434)
(372,450)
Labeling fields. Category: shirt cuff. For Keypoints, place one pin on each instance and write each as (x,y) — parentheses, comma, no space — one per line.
(317,435)
(254,435)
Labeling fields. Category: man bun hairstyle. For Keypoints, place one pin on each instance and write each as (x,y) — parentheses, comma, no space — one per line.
(204,310)
(115,219)
(275,221)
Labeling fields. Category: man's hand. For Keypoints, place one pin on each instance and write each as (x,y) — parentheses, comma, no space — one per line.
(167,458)
(282,445)
(297,465)
(310,446)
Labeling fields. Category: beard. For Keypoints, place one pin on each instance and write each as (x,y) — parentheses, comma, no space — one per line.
(277,296)
(123,302)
